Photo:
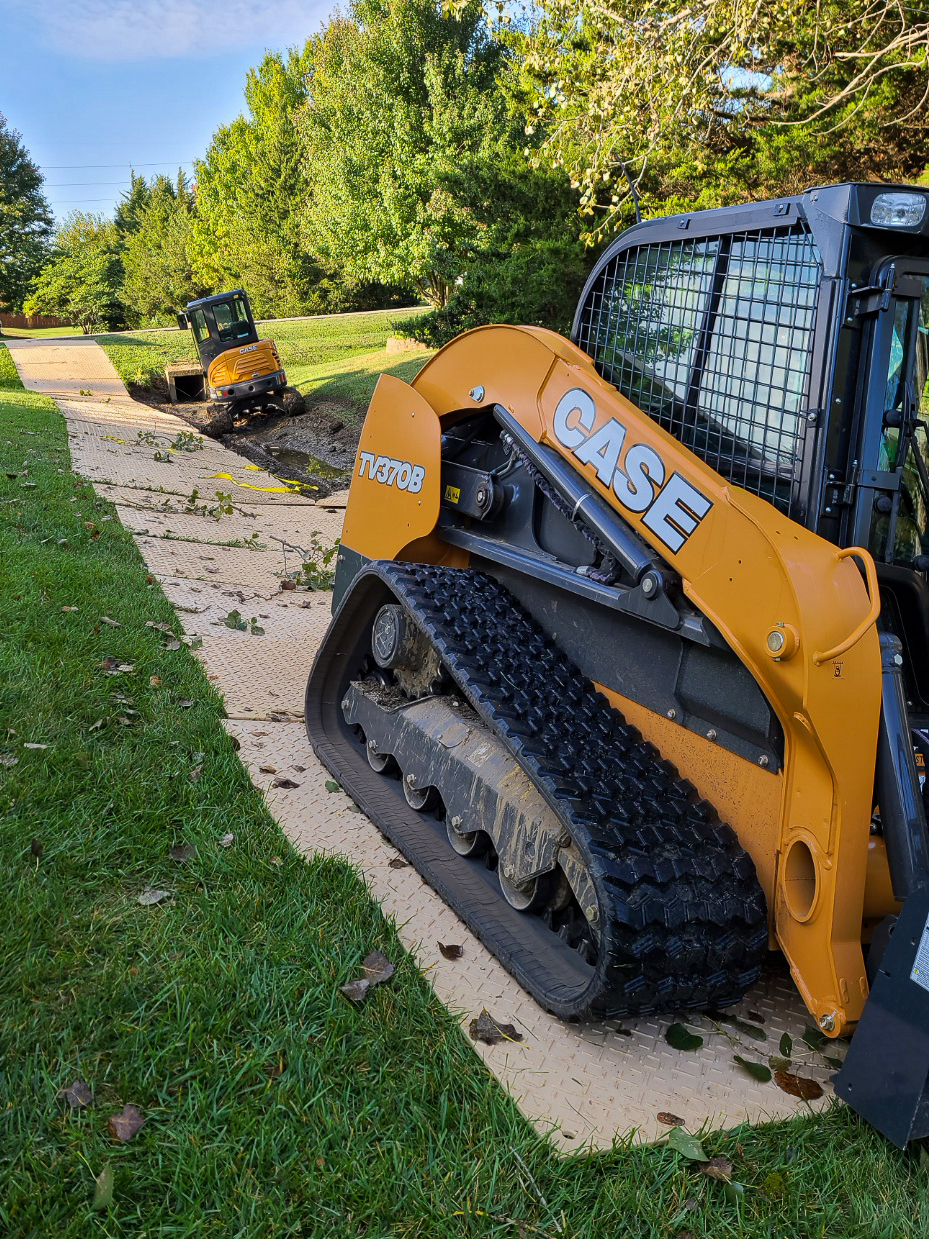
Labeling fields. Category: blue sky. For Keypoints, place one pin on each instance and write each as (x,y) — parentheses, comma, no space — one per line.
(131,83)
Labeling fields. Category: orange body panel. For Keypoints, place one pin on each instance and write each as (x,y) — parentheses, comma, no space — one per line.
(238,365)
(749,569)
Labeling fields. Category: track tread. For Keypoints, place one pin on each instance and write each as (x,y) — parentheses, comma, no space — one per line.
(686,925)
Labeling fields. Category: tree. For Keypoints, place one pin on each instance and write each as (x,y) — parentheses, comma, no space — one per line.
(251,189)
(25,220)
(401,100)
(81,280)
(709,101)
(157,275)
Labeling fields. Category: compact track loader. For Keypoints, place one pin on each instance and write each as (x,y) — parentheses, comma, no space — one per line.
(239,370)
(630,652)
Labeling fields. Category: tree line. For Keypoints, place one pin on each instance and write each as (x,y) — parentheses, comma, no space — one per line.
(474,157)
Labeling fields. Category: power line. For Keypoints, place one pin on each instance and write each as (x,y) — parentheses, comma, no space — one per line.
(127,163)
(83,184)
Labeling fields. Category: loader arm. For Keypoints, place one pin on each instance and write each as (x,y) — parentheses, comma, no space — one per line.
(792,607)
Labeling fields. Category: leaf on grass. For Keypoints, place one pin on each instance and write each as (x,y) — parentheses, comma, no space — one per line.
(123,1127)
(669,1120)
(184,705)
(103,1188)
(717,1168)
(109,664)
(152,896)
(267,769)
(36,848)
(96,726)
(172,645)
(680,1038)
(733,1192)
(7,759)
(355,990)
(68,610)
(332,787)
(121,718)
(77,1095)
(181,853)
(377,968)
(126,668)
(798,1086)
(111,623)
(283,782)
(485,1028)
(195,773)
(226,840)
(813,1038)
(397,863)
(685,1144)
(786,1046)
(193,642)
(158,627)
(35,746)
(450,950)
(758,1071)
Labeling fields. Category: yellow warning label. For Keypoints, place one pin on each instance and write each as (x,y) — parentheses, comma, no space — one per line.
(452,494)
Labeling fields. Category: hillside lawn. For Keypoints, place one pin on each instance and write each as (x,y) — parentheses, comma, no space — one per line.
(272,1106)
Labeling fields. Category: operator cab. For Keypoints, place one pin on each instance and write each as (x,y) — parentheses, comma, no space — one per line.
(219,323)
(786,344)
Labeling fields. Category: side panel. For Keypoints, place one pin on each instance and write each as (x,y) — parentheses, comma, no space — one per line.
(238,365)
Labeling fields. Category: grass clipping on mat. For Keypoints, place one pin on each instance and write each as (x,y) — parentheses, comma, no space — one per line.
(176,1058)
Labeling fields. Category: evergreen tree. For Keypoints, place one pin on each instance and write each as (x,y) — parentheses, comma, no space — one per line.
(157,277)
(25,220)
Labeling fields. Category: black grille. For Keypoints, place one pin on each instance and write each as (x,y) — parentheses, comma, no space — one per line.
(712,339)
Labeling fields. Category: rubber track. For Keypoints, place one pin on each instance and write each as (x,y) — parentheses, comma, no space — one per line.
(683,922)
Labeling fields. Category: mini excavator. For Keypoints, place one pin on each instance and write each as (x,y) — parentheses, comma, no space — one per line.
(630,644)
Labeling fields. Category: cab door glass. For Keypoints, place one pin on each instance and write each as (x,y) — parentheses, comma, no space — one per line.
(901,537)
(200,329)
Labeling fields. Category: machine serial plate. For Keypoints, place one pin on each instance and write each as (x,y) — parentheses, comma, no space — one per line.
(920,970)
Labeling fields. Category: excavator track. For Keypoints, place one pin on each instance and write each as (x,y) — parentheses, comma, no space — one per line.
(681,917)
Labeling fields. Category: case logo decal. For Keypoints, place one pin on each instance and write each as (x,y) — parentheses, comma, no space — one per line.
(669,506)
(389,472)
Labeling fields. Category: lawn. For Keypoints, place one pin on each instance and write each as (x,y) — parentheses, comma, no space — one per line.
(38,333)
(334,358)
(272,1106)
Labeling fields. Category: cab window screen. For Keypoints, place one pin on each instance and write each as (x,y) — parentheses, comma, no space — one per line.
(231,320)
(712,339)
(198,323)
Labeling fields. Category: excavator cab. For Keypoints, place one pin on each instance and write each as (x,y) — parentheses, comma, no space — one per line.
(239,369)
(671,575)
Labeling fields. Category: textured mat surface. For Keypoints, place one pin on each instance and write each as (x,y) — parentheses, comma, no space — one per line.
(583,1084)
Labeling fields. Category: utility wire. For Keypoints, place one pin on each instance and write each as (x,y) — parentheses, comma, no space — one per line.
(127,163)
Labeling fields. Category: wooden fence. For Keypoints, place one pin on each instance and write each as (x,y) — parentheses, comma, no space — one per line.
(33,320)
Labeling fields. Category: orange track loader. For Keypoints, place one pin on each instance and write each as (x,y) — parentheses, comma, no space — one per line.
(630,651)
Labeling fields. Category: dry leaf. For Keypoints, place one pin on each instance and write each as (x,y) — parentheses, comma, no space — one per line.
(172,645)
(123,1127)
(285,584)
(68,610)
(485,1028)
(451,950)
(377,967)
(798,1086)
(397,863)
(35,746)
(226,840)
(96,726)
(36,848)
(158,627)
(267,769)
(717,1168)
(78,1095)
(151,896)
(195,773)
(184,705)
(121,718)
(105,619)
(7,759)
(669,1120)
(182,853)
(110,665)
(299,769)
(126,668)
(154,681)
(355,990)
(284,783)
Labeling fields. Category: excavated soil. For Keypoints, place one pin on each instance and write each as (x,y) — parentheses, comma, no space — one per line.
(315,446)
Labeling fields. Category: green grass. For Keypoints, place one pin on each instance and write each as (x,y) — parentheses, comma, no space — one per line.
(272,1106)
(336,358)
(38,333)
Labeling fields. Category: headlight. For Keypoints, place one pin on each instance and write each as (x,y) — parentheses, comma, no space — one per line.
(898,210)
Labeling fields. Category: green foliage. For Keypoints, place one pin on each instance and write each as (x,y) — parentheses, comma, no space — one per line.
(25,220)
(251,188)
(403,101)
(157,277)
(82,278)
(712,102)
